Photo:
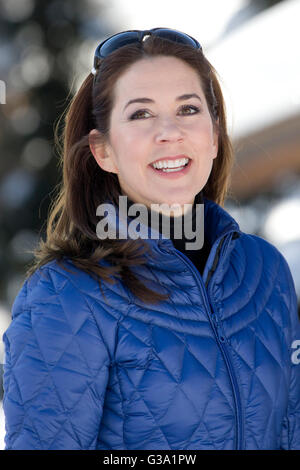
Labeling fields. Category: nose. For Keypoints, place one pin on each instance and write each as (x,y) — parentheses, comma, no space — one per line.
(168,131)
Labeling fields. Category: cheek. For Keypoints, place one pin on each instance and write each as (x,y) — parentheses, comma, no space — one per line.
(204,128)
(129,139)
(135,146)
(202,136)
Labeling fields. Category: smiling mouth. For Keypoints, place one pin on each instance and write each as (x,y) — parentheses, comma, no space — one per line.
(172,169)
(171,173)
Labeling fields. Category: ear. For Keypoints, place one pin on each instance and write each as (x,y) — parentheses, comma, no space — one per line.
(101,152)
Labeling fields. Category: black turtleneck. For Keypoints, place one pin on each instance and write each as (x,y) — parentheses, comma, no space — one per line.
(197,257)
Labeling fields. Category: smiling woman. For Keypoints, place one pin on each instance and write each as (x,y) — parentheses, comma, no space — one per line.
(142,342)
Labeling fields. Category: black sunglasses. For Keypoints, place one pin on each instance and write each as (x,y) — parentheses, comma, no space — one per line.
(124,38)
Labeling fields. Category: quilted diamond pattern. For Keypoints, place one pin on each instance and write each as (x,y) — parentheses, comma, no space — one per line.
(208,369)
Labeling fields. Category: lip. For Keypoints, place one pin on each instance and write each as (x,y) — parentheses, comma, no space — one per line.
(177,157)
(172,174)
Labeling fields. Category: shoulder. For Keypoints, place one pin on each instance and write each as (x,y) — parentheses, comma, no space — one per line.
(251,241)
(61,282)
(57,276)
(267,264)
(260,250)
(62,302)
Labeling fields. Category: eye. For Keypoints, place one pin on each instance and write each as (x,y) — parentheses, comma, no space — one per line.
(138,114)
(188,107)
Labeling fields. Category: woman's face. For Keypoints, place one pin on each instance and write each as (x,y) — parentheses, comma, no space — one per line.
(160,122)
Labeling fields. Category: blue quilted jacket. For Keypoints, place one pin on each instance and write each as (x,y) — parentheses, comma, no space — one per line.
(214,367)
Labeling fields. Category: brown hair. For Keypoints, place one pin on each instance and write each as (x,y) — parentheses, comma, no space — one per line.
(72,219)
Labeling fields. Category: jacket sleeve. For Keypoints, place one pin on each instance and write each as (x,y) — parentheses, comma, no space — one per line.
(290,436)
(56,367)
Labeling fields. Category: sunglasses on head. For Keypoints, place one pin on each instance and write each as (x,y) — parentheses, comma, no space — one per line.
(124,38)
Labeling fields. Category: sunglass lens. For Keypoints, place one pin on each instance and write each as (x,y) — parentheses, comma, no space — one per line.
(177,36)
(115,42)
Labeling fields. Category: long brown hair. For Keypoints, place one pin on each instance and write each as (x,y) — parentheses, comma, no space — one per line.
(72,217)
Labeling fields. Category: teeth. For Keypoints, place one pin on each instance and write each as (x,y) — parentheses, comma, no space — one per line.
(169,170)
(170,163)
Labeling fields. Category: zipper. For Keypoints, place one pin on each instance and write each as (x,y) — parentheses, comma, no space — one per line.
(220,252)
(216,329)
(215,262)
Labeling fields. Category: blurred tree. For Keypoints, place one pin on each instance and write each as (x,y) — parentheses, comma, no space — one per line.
(40,44)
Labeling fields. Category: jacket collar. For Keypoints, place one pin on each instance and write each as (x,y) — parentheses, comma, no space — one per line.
(218,222)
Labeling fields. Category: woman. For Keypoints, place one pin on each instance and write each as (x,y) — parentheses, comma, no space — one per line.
(127,342)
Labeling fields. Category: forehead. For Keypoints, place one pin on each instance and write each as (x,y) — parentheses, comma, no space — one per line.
(162,74)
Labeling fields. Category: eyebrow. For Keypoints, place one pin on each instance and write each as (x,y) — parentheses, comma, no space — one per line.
(186,96)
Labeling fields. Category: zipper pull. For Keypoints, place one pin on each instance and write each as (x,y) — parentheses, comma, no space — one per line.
(221,334)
